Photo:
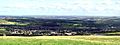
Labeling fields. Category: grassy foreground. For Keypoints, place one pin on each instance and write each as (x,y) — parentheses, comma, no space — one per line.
(60,40)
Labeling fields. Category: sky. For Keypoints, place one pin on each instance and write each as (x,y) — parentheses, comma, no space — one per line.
(60,7)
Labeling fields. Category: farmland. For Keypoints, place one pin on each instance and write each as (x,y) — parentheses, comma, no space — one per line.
(55,31)
(59,26)
(60,40)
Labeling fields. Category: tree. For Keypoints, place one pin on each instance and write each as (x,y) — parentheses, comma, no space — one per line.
(3,31)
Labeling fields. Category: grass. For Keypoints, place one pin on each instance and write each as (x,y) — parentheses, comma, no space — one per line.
(113,33)
(2,29)
(5,22)
(60,40)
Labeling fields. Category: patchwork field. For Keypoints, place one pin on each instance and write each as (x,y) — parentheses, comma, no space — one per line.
(60,40)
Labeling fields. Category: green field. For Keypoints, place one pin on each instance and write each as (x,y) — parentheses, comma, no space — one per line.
(60,40)
(113,33)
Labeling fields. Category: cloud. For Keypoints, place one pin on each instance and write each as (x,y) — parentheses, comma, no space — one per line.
(88,7)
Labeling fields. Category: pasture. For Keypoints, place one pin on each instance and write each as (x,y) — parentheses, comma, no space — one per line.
(60,40)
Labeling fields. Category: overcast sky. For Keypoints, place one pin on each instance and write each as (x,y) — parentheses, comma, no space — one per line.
(60,7)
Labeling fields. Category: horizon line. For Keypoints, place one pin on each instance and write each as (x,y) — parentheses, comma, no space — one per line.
(61,15)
